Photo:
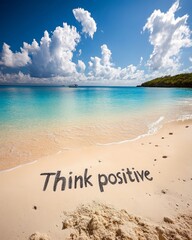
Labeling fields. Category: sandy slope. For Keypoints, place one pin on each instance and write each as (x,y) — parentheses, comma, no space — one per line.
(25,208)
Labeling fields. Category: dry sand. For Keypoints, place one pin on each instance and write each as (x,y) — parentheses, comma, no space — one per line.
(99,221)
(157,209)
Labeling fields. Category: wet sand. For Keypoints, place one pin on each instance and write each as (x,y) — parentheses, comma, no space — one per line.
(24,145)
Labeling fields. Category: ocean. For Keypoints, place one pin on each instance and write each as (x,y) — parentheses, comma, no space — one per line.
(63,118)
(131,109)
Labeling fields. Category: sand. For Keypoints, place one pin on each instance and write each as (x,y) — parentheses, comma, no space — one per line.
(99,221)
(160,208)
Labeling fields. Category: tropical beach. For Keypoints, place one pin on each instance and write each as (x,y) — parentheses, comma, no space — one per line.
(40,121)
(95,120)
(68,178)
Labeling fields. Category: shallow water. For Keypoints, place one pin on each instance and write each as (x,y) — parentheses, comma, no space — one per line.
(30,107)
(41,120)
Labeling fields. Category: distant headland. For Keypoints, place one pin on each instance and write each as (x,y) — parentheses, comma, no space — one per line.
(181,81)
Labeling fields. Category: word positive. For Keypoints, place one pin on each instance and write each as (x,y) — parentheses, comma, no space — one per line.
(123,177)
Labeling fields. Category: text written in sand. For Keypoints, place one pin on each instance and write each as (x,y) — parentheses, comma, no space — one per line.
(57,181)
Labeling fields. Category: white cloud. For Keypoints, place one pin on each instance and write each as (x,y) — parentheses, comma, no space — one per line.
(80,52)
(51,60)
(52,57)
(106,55)
(87,22)
(10,59)
(55,53)
(21,78)
(81,66)
(168,35)
(31,48)
(103,69)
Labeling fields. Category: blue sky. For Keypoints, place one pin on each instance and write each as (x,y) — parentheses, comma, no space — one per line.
(120,48)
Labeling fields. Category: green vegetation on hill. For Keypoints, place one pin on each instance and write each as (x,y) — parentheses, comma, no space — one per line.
(181,80)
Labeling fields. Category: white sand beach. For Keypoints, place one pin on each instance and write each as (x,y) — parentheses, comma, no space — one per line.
(156,202)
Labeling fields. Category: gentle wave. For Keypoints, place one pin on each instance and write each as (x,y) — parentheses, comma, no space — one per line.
(153,128)
(185,117)
(181,118)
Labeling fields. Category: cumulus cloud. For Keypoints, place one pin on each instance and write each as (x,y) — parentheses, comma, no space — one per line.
(51,61)
(31,48)
(106,55)
(54,55)
(168,35)
(103,69)
(51,57)
(81,66)
(10,59)
(87,22)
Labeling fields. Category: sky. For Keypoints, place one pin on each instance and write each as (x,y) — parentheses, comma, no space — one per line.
(94,42)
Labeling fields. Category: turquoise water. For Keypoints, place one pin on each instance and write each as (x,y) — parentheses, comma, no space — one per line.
(130,107)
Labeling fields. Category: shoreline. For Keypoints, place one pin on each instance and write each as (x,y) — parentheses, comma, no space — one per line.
(165,154)
(43,151)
